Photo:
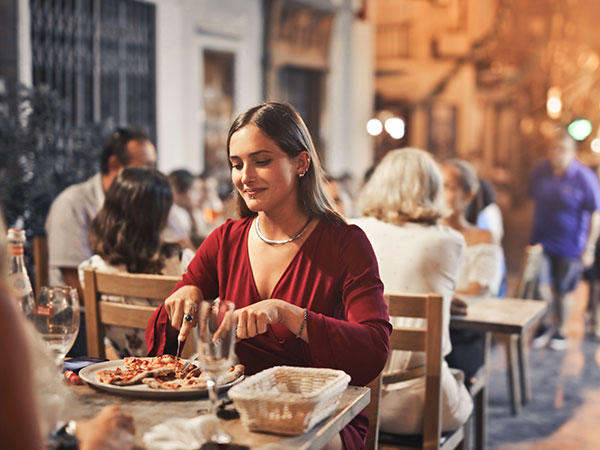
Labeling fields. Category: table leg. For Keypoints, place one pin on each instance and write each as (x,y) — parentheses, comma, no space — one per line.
(514,379)
(481,399)
(524,369)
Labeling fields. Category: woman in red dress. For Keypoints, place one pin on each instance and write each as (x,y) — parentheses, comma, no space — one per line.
(305,284)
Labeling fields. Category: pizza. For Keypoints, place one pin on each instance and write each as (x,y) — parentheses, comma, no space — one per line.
(162,372)
(192,380)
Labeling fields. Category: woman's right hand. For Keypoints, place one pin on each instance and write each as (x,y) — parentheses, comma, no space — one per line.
(184,301)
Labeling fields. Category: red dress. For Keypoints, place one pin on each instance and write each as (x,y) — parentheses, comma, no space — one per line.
(334,275)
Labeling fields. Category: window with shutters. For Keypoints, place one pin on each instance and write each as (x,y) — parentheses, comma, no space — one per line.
(99,55)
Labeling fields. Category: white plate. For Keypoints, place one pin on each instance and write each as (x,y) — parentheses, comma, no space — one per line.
(88,374)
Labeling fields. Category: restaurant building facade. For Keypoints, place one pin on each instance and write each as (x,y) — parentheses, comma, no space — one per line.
(183,68)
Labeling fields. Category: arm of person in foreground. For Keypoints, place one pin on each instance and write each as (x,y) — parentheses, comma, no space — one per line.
(19,427)
(111,429)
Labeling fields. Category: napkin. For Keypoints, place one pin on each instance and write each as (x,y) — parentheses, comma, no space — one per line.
(180,434)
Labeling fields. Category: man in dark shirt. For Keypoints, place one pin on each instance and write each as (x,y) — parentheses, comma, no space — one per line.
(566,222)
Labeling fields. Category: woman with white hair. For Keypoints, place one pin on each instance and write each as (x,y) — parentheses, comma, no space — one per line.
(402,204)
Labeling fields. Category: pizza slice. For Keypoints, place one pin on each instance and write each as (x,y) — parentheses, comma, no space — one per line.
(128,377)
(192,380)
(177,384)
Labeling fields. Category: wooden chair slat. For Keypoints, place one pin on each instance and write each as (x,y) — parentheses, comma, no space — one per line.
(409,339)
(136,285)
(433,393)
(133,316)
(413,305)
(93,326)
(40,261)
(372,411)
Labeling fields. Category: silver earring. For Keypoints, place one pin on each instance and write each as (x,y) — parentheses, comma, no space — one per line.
(301,174)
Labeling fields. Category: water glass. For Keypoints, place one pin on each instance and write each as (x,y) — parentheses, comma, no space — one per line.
(56,315)
(216,340)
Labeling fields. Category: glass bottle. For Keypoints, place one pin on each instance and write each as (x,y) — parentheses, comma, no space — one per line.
(17,275)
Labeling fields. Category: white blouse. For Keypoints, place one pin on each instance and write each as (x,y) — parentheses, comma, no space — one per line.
(483,265)
(418,258)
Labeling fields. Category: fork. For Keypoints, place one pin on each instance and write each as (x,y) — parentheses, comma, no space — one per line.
(191,359)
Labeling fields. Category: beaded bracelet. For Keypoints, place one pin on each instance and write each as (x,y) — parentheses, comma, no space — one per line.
(299,335)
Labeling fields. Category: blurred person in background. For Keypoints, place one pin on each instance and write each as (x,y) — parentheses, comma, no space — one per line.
(566,221)
(334,191)
(122,242)
(481,272)
(71,213)
(484,212)
(402,205)
(187,194)
(212,206)
(305,283)
(34,398)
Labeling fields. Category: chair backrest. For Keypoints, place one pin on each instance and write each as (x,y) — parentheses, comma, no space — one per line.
(372,411)
(40,261)
(99,313)
(530,269)
(428,340)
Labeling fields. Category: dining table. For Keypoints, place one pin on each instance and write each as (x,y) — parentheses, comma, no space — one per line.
(512,316)
(87,401)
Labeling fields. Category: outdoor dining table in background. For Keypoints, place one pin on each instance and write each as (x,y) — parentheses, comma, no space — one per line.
(87,402)
(497,315)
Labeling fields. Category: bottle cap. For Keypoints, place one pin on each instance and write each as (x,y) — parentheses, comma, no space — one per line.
(14,234)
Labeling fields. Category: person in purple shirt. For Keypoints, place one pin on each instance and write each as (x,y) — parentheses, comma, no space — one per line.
(566,222)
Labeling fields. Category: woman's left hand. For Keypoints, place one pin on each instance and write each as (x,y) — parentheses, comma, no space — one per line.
(253,320)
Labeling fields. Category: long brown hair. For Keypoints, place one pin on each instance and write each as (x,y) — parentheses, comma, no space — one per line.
(127,228)
(286,128)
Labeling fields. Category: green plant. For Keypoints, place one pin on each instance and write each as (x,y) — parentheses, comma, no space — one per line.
(41,155)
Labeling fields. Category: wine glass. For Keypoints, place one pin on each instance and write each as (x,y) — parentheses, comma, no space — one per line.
(216,339)
(56,314)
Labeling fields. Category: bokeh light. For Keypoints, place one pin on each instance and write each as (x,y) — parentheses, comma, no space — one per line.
(395,127)
(554,107)
(596,145)
(554,103)
(374,127)
(580,129)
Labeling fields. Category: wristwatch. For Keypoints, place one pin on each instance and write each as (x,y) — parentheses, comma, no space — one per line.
(63,437)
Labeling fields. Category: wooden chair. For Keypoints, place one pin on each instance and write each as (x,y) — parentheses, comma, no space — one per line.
(530,269)
(373,413)
(40,260)
(428,340)
(517,361)
(99,313)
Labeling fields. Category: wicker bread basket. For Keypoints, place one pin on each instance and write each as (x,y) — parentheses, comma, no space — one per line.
(288,400)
